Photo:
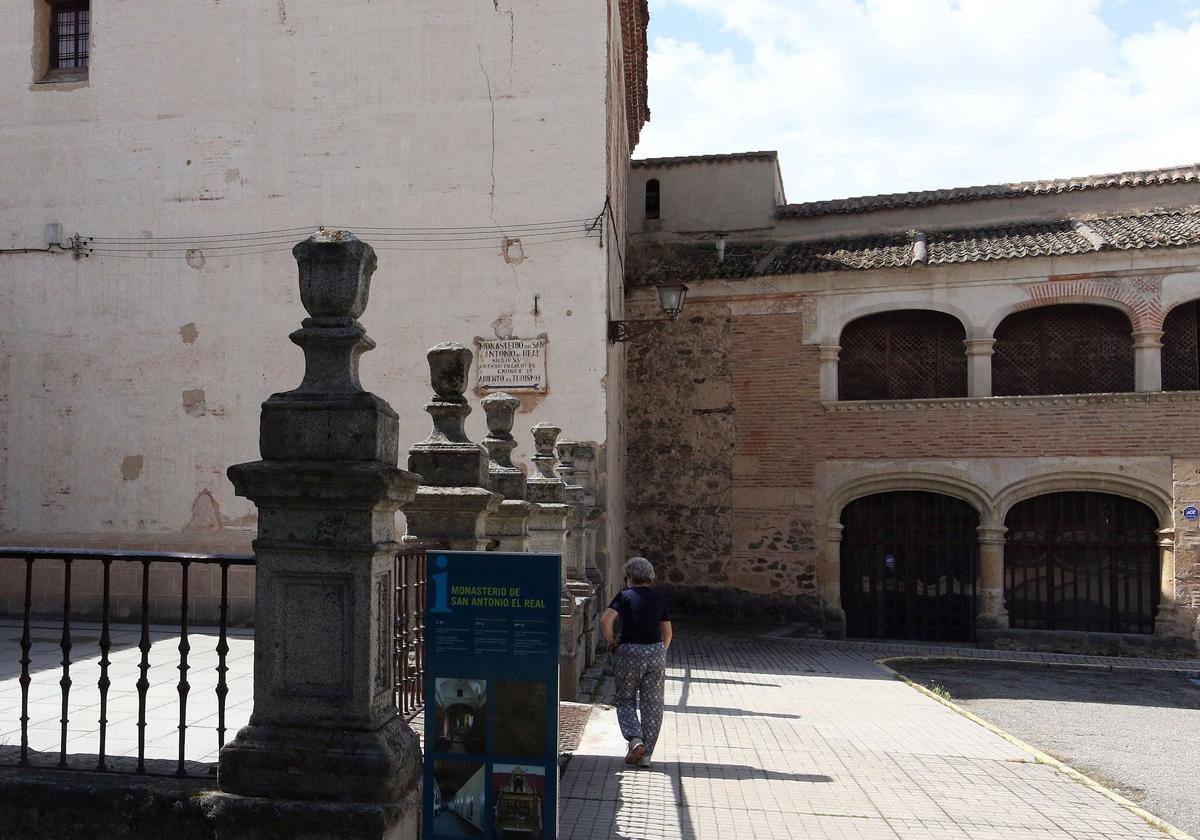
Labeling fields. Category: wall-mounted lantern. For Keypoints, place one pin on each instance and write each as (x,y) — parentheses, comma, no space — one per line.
(671,296)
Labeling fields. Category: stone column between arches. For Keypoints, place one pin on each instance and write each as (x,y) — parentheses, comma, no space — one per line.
(992,614)
(1147,360)
(979,366)
(829,581)
(1164,617)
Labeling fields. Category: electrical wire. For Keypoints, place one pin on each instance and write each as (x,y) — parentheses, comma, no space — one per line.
(260,250)
(415,232)
(385,238)
(615,233)
(529,238)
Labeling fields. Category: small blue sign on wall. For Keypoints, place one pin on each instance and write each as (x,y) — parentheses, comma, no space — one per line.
(1191,513)
(491,695)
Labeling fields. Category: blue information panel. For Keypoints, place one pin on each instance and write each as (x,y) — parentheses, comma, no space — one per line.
(491,695)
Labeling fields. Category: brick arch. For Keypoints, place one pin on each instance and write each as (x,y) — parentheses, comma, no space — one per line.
(1155,498)
(833,331)
(1140,298)
(922,482)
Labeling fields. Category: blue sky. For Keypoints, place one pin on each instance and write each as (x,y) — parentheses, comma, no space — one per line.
(889,95)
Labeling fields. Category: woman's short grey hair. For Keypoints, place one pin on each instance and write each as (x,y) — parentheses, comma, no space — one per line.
(639,570)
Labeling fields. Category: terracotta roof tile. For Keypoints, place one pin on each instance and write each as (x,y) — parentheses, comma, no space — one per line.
(635,18)
(686,159)
(891,201)
(653,262)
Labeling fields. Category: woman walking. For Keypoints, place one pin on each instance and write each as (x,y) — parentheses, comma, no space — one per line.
(639,658)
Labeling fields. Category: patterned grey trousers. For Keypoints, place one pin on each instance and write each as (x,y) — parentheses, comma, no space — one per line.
(638,672)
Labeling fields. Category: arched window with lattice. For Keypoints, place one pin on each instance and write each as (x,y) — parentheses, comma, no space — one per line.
(1063,349)
(1181,348)
(903,354)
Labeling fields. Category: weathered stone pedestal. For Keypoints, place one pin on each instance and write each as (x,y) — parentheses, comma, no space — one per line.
(324,729)
(582,589)
(508,527)
(452,505)
(585,476)
(548,523)
(549,532)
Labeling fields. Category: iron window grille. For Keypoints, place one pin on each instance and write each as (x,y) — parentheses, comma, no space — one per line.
(901,355)
(1082,561)
(1063,349)
(1181,348)
(70,26)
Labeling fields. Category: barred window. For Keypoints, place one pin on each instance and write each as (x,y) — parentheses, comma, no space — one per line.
(653,198)
(901,355)
(1063,349)
(70,25)
(1181,348)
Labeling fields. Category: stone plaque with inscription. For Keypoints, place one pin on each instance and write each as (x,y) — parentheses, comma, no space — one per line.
(511,364)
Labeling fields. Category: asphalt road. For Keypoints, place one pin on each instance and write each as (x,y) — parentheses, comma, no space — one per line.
(1138,732)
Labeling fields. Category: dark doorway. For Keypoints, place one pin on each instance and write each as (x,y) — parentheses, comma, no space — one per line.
(1081,561)
(909,567)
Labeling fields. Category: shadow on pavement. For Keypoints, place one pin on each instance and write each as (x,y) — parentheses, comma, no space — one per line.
(1054,682)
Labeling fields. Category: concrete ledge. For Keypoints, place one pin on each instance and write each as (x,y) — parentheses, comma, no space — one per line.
(1097,644)
(724,602)
(61,805)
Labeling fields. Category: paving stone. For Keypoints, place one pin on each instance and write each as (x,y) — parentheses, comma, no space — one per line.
(778,739)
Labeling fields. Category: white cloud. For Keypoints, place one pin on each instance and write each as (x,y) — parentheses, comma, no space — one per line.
(890,95)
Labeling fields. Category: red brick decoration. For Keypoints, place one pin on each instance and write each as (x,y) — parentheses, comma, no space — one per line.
(1142,295)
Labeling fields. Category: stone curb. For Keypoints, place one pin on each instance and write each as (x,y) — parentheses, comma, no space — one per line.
(1043,758)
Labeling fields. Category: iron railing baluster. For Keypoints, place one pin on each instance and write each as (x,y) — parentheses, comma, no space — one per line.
(400,623)
(419,614)
(65,646)
(222,651)
(26,644)
(184,687)
(143,683)
(72,615)
(105,646)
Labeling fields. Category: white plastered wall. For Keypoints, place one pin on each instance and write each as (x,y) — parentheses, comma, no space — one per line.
(221,118)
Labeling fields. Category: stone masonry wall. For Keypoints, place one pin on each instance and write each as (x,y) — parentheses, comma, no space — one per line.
(680,436)
(728,499)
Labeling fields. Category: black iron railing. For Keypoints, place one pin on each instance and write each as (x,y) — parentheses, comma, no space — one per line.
(74,610)
(410,630)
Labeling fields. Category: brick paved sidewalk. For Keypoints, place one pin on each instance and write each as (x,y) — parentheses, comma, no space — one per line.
(768,739)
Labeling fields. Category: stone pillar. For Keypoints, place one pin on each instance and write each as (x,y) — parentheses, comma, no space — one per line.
(992,614)
(1164,618)
(828,382)
(325,725)
(585,475)
(548,530)
(575,567)
(578,583)
(452,504)
(979,366)
(829,582)
(507,528)
(1147,360)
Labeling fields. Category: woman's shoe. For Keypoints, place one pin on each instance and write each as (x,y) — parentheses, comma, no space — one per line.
(637,751)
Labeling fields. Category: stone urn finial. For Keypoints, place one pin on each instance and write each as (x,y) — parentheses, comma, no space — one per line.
(545,435)
(448,458)
(504,477)
(449,364)
(335,274)
(565,449)
(501,410)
